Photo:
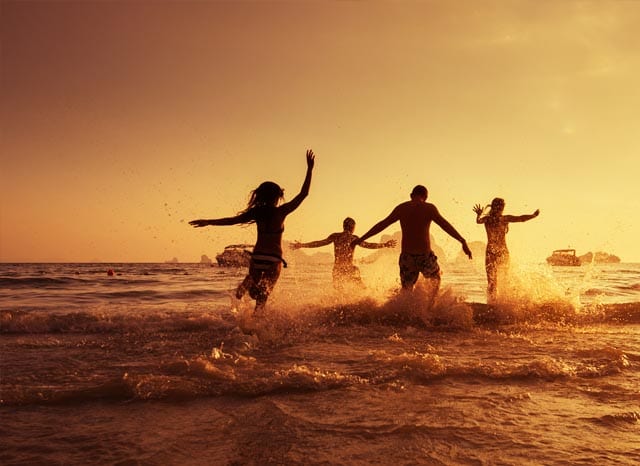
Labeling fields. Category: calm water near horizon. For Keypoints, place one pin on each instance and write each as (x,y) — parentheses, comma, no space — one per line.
(151,366)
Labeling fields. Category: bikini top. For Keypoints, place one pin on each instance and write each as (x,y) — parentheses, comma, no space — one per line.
(279,232)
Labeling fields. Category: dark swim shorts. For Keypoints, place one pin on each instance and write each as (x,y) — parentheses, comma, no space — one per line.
(413,264)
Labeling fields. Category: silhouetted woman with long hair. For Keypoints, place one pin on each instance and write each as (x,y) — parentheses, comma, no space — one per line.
(263,210)
(497,255)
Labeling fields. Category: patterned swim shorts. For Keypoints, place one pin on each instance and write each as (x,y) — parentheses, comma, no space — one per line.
(413,264)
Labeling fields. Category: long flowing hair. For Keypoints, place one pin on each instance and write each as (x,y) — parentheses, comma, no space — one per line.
(496,208)
(268,194)
(497,204)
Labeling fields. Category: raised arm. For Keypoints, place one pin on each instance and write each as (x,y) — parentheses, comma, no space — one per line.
(521,218)
(478,210)
(387,244)
(377,228)
(447,227)
(294,203)
(312,244)
(244,217)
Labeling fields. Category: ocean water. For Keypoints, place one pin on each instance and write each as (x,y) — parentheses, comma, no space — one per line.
(158,365)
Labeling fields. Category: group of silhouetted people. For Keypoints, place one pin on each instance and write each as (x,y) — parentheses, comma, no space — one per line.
(416,257)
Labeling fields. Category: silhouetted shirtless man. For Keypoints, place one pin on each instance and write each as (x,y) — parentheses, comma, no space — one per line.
(416,256)
(344,272)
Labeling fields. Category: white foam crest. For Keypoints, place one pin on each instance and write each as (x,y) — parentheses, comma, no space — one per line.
(303,376)
(625,418)
(544,368)
(603,361)
(158,387)
(422,364)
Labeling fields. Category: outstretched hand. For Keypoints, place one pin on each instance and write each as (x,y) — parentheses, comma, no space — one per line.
(295,245)
(477,209)
(466,250)
(310,159)
(391,243)
(536,213)
(199,223)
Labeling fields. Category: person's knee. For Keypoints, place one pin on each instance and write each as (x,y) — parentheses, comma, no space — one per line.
(258,292)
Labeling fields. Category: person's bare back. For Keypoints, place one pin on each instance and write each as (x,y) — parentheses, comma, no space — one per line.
(415,219)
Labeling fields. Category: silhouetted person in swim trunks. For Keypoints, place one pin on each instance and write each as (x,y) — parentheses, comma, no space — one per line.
(416,256)
(497,255)
(263,210)
(344,272)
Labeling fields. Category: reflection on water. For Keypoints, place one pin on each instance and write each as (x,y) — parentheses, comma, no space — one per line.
(157,365)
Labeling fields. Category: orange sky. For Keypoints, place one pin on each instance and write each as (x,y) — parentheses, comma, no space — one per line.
(122,121)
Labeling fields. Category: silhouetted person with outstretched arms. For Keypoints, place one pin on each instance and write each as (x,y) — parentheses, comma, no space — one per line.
(497,255)
(344,272)
(416,256)
(263,210)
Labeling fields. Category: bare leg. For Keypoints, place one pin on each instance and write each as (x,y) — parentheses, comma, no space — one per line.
(432,287)
(263,286)
(243,286)
(261,302)
(492,280)
(260,292)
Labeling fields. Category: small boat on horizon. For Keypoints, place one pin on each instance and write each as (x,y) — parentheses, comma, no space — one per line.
(235,255)
(564,257)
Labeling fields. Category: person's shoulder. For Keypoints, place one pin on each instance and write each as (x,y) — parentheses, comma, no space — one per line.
(403,205)
(431,210)
(282,209)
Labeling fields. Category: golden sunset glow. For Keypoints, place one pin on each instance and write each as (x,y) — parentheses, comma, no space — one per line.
(122,121)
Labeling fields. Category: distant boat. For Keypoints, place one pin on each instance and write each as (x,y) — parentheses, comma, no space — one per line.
(564,257)
(235,255)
